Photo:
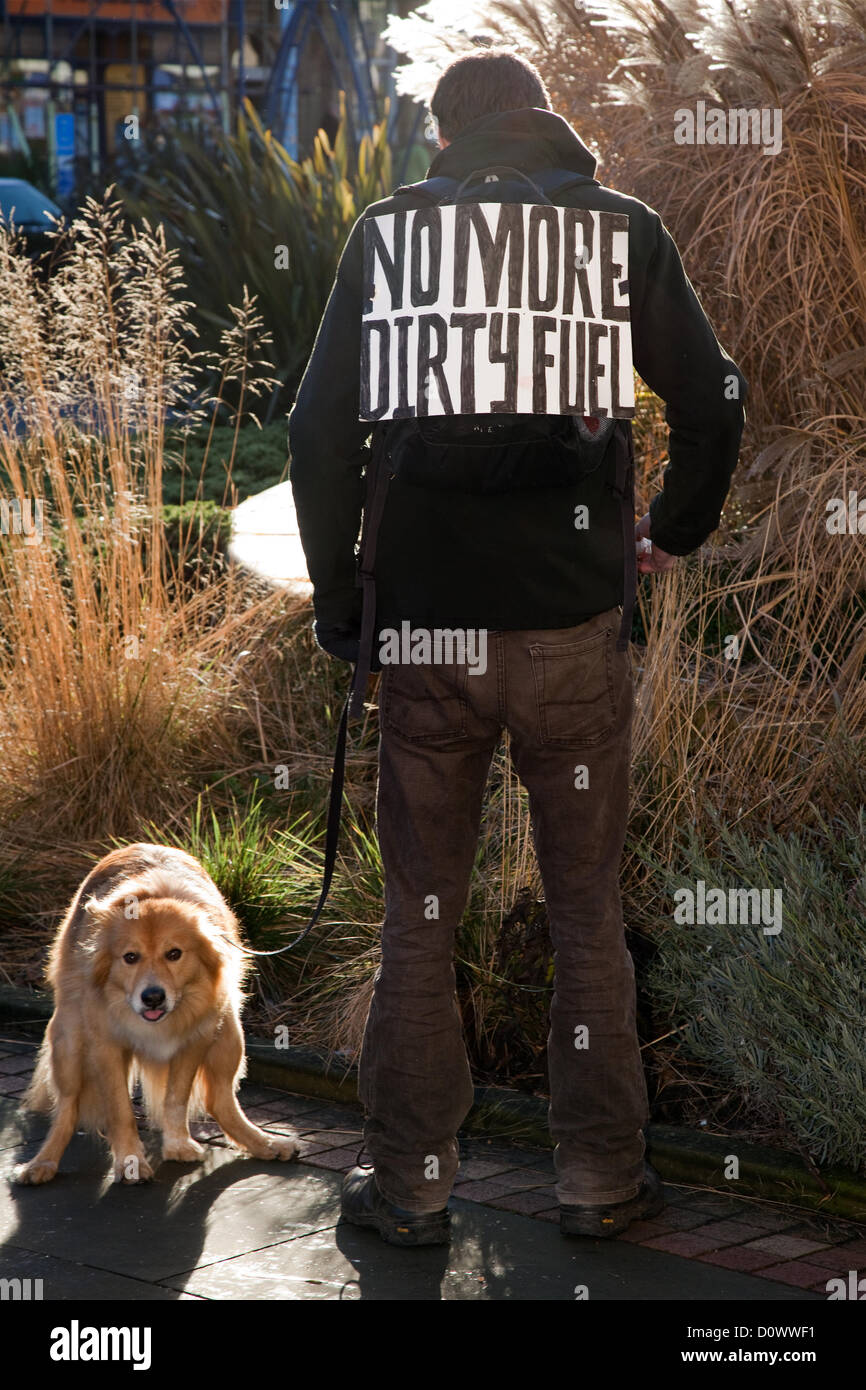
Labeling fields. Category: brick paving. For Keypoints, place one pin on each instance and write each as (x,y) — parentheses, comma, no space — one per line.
(745,1234)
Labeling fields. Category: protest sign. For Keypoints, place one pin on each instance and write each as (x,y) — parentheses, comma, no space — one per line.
(485,308)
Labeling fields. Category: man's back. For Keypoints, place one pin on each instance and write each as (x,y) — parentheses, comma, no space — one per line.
(514,560)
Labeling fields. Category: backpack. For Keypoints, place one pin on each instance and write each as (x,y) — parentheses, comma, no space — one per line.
(489,453)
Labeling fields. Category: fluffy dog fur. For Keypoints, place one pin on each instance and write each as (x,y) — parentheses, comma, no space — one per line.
(146,919)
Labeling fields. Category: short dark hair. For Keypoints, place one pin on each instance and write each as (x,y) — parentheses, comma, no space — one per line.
(482,82)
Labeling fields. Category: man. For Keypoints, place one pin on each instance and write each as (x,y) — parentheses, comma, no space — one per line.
(547,596)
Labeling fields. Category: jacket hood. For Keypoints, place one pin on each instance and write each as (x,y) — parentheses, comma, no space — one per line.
(528,138)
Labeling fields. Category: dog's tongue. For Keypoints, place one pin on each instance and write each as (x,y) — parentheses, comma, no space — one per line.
(153,1014)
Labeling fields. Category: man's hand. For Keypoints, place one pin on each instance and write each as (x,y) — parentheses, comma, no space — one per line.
(650,558)
(341,641)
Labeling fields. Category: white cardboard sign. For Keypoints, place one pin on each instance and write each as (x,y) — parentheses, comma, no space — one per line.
(485,308)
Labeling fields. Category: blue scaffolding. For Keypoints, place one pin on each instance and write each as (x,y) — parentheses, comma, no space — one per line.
(342,32)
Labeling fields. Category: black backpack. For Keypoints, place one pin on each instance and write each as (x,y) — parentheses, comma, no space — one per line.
(489,453)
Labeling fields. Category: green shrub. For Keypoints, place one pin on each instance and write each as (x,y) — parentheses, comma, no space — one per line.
(778,1019)
(194,524)
(248,865)
(200,463)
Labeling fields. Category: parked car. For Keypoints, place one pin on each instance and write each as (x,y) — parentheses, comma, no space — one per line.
(32,211)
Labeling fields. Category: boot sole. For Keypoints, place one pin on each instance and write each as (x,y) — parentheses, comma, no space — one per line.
(571,1224)
(436,1232)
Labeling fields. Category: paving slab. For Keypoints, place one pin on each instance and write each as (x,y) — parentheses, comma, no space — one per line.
(511,1156)
(17,1062)
(493,1255)
(329,1117)
(65,1281)
(232,1227)
(190,1214)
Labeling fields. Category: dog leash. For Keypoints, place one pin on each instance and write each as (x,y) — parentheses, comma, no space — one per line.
(332,834)
(377,487)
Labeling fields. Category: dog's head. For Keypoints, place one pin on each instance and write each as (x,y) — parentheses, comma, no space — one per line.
(155,953)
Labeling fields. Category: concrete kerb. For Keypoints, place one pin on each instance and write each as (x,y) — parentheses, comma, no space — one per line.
(679,1154)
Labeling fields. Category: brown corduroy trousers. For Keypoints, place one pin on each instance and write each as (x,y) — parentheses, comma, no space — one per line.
(565,696)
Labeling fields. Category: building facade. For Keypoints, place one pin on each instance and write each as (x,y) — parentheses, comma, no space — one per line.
(79,78)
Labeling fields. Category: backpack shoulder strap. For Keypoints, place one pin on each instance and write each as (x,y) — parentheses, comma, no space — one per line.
(552,181)
(433,190)
(377,479)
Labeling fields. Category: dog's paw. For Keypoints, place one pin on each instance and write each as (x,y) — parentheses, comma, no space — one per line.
(182,1151)
(29,1174)
(132,1168)
(281,1147)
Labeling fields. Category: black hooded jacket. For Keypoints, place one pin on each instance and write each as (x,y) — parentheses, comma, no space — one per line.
(511,560)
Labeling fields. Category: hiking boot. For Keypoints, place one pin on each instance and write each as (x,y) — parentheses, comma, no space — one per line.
(362,1204)
(612,1220)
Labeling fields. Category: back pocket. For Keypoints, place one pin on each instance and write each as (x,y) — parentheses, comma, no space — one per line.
(425,704)
(574,691)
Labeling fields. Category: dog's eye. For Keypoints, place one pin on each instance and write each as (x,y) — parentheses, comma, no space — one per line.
(131,957)
(174,954)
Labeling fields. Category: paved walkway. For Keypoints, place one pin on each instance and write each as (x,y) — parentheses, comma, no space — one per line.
(232,1227)
(265,539)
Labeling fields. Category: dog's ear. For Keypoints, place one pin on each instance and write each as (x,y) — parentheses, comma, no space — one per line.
(98,912)
(98,915)
(124,901)
(211,948)
(100,964)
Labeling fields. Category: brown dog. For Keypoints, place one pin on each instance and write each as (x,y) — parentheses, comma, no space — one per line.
(147,980)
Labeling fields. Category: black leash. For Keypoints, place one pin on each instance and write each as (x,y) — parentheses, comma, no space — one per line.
(332,835)
(624,489)
(378,478)
(377,487)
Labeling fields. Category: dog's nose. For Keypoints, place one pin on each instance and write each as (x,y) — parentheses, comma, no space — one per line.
(153,997)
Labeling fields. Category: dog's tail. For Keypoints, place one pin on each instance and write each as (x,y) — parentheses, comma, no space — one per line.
(41,1094)
(153,1077)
